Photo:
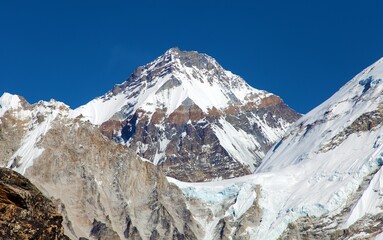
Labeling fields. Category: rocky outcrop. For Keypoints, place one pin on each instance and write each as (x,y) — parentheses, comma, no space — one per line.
(12,130)
(364,123)
(25,212)
(308,228)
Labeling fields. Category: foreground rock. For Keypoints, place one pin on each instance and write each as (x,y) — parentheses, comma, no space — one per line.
(24,212)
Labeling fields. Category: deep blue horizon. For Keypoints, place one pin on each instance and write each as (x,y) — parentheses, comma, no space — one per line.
(74,51)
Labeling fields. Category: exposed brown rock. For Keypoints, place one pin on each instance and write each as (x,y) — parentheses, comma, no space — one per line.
(183,114)
(193,152)
(12,130)
(191,143)
(101,232)
(24,212)
(270,101)
(214,112)
(158,116)
(108,128)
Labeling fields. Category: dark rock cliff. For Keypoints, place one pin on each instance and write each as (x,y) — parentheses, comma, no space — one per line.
(24,212)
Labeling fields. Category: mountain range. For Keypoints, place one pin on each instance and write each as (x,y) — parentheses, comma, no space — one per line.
(184,149)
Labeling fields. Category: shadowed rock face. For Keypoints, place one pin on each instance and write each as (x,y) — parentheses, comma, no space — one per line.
(185,144)
(24,212)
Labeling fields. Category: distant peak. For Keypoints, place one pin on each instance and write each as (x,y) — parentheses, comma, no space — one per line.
(8,101)
(173,50)
(191,59)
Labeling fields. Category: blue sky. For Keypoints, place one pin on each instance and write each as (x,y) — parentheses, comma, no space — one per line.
(73,51)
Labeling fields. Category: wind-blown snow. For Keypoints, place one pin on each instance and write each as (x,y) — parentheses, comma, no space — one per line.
(100,110)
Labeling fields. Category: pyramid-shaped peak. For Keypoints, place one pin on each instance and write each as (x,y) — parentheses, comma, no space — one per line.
(191,59)
(8,101)
(173,50)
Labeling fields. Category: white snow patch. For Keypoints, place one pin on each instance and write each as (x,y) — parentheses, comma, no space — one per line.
(8,101)
(379,236)
(239,144)
(100,110)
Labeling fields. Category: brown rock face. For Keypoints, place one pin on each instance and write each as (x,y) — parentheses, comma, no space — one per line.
(11,132)
(184,113)
(185,144)
(24,212)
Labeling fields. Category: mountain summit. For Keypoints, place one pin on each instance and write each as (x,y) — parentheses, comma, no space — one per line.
(194,119)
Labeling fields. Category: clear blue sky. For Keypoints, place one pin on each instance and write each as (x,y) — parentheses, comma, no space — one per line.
(73,51)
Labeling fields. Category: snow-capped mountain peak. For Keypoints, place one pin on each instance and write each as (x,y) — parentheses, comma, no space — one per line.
(9,101)
(169,81)
(183,103)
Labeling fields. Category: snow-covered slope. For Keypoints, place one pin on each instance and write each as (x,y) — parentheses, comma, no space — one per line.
(322,180)
(332,149)
(185,103)
(29,124)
